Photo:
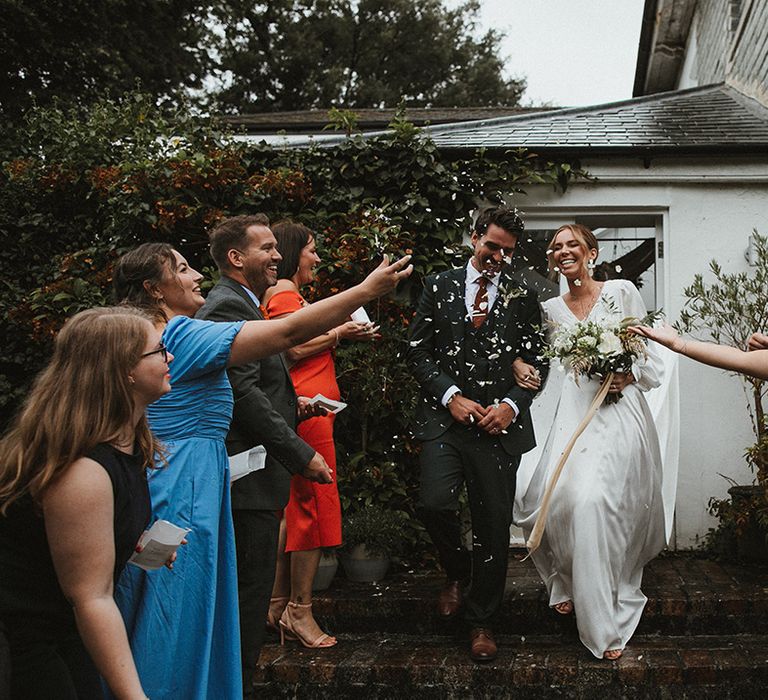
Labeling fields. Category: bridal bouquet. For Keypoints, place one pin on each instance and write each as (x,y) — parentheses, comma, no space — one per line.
(594,349)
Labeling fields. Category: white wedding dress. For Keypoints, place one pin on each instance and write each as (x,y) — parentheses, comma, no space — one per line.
(606,517)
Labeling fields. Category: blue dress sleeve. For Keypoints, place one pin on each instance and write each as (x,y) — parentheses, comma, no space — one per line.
(198,347)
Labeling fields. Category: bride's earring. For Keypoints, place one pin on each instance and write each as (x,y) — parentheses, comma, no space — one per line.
(591,268)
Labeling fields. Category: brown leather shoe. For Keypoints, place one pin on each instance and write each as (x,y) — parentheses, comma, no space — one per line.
(450,599)
(482,644)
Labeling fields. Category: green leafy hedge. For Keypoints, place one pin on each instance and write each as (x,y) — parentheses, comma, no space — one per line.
(78,189)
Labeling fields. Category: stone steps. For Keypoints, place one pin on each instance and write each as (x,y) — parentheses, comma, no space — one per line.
(704,634)
(374,666)
(685,596)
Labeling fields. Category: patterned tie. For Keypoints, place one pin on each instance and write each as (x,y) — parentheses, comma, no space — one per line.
(263,311)
(480,307)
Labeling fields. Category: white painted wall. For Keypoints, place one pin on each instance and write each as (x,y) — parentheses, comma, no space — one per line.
(707,208)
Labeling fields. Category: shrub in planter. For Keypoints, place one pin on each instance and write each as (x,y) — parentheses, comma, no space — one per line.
(730,309)
(372,536)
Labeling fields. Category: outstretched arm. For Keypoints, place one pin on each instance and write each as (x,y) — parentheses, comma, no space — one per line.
(351,330)
(257,339)
(753,363)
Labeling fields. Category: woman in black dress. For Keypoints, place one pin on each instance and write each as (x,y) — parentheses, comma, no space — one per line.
(73,504)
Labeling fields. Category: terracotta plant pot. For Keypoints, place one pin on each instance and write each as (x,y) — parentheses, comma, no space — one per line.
(363,567)
(326,570)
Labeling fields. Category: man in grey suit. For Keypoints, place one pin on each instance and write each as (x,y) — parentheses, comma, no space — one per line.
(265,413)
(472,419)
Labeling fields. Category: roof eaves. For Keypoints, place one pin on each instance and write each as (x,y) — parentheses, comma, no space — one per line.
(580,152)
(757,108)
(647,29)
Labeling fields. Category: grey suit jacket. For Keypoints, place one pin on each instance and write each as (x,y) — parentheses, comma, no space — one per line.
(437,354)
(264,412)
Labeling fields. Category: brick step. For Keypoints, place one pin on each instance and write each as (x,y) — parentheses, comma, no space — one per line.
(379,666)
(686,596)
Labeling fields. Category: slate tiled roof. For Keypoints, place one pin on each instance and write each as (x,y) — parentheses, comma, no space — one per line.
(711,118)
(313,120)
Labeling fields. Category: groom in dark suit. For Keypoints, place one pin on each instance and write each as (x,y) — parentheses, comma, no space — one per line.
(265,413)
(472,418)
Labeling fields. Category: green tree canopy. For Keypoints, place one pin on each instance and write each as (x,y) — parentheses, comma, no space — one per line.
(244,55)
(299,54)
(78,50)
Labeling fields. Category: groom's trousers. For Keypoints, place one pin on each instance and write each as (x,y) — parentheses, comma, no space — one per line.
(466,455)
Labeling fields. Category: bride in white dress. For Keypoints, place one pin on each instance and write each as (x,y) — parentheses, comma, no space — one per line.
(606,516)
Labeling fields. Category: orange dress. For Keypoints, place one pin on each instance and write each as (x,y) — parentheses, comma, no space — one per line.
(313,513)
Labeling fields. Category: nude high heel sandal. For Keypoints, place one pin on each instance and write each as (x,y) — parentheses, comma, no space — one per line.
(273,619)
(288,629)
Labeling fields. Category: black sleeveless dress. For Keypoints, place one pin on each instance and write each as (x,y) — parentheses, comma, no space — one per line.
(47,657)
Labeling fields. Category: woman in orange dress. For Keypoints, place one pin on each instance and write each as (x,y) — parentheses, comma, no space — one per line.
(312,519)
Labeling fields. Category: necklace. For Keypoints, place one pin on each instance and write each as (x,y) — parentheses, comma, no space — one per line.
(586,303)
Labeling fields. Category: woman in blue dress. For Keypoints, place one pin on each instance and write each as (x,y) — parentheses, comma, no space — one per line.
(183,624)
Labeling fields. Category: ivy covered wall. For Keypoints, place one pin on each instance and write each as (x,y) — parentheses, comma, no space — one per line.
(78,189)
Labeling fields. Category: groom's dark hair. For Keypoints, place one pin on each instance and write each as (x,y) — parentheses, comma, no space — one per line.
(503,217)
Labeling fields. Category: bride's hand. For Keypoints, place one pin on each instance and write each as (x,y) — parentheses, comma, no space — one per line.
(526,376)
(620,381)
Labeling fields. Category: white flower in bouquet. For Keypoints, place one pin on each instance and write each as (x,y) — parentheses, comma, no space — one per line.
(586,342)
(610,343)
(561,343)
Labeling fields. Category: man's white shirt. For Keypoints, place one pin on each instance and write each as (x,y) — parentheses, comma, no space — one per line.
(471,286)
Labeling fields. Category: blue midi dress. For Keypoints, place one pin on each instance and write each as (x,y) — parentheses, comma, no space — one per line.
(183,624)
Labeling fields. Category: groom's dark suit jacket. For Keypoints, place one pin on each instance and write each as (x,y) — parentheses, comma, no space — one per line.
(439,357)
(264,411)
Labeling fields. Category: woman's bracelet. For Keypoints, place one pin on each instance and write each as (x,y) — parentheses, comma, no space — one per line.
(336,337)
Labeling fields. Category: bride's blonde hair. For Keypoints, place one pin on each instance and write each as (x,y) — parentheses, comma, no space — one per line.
(82,398)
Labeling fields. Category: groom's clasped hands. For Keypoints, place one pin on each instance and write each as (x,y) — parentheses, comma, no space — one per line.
(492,419)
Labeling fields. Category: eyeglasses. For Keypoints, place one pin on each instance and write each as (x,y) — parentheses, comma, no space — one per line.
(162,349)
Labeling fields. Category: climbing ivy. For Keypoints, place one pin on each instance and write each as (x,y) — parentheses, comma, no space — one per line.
(80,188)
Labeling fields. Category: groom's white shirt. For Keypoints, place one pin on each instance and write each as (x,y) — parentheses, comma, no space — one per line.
(470,293)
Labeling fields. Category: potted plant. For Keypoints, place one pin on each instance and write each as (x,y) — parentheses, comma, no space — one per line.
(372,535)
(326,569)
(730,309)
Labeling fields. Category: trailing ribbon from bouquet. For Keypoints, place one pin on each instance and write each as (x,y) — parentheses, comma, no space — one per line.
(534,540)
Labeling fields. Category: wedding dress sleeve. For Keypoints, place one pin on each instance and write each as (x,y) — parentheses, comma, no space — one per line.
(659,373)
(648,371)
